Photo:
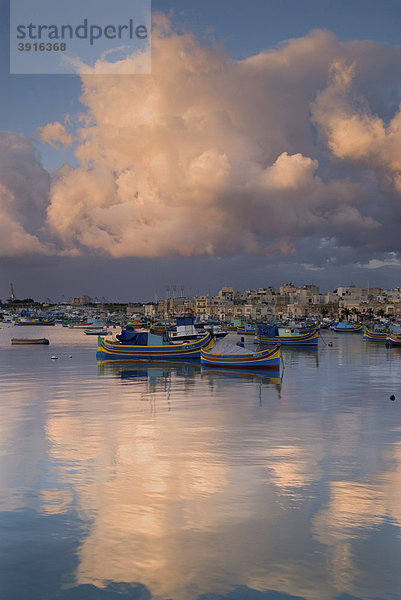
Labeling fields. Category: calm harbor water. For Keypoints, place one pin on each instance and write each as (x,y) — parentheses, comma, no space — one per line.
(172,482)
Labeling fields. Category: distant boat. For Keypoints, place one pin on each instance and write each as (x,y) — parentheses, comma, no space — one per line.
(217,330)
(347,327)
(17,341)
(229,327)
(40,322)
(96,332)
(141,345)
(374,335)
(286,336)
(185,330)
(393,339)
(246,329)
(235,357)
(82,325)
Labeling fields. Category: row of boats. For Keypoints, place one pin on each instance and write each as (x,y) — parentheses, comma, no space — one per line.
(209,347)
(389,337)
(138,345)
(145,346)
(185,341)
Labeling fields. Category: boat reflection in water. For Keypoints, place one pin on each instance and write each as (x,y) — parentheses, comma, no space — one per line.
(156,376)
(147,370)
(242,374)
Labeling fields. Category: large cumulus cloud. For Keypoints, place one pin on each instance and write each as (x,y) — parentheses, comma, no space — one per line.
(24,197)
(209,155)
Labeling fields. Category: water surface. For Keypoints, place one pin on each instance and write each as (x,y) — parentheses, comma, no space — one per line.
(172,482)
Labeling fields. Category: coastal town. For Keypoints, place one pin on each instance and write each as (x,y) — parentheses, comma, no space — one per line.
(349,303)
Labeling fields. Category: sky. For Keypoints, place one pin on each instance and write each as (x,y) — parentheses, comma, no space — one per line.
(264,147)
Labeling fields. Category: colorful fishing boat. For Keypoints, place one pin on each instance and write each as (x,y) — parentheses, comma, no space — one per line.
(229,327)
(393,339)
(347,327)
(34,321)
(235,357)
(286,336)
(374,335)
(142,345)
(246,330)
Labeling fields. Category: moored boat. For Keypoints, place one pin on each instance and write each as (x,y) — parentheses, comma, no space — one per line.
(96,332)
(141,345)
(373,335)
(25,322)
(246,330)
(217,330)
(185,330)
(347,327)
(18,341)
(234,357)
(393,339)
(271,334)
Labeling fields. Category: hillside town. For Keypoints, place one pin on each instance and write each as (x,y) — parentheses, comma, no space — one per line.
(349,303)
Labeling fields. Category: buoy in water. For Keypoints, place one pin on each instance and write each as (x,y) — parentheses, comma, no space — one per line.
(330,344)
(392,397)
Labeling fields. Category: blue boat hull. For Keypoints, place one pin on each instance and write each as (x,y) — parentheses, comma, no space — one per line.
(370,335)
(243,331)
(393,339)
(305,339)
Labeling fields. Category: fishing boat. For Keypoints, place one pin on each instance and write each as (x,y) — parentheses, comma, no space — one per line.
(244,327)
(28,321)
(18,341)
(347,327)
(96,332)
(246,330)
(185,330)
(286,336)
(142,345)
(234,357)
(393,339)
(374,335)
(217,330)
(229,327)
